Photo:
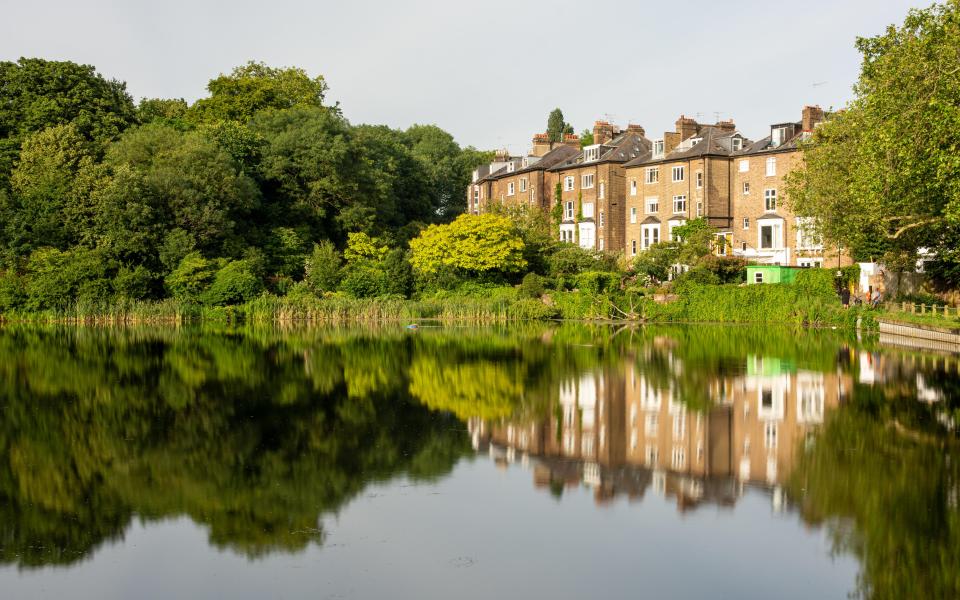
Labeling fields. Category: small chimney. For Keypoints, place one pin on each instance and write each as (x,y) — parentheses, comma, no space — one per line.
(501,155)
(686,127)
(811,116)
(572,140)
(541,144)
(636,129)
(603,132)
(727,126)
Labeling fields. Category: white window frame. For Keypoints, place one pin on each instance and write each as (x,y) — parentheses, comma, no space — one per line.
(586,210)
(633,187)
(511,188)
(699,208)
(523,184)
(568,183)
(772,166)
(568,210)
(591,153)
(680,204)
(652,205)
(657,148)
(678,174)
(746,223)
(745,166)
(770,199)
(699,180)
(603,191)
(746,188)
(586,181)
(651,175)
(633,247)
(650,234)
(776,235)
(633,214)
(600,220)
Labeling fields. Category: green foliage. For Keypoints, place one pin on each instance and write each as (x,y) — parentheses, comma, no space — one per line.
(531,286)
(234,283)
(254,87)
(598,282)
(556,126)
(323,268)
(55,279)
(37,94)
(167,111)
(363,281)
(133,283)
(880,176)
(191,277)
(569,259)
(12,292)
(398,273)
(654,263)
(586,138)
(472,244)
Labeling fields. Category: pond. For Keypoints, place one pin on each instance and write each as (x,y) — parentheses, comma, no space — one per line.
(538,460)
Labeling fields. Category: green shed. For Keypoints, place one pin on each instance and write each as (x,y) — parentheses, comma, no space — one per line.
(771,274)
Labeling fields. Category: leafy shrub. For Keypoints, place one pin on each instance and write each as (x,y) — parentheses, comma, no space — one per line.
(568,259)
(235,283)
(191,277)
(12,292)
(323,268)
(398,274)
(532,286)
(363,281)
(133,284)
(597,282)
(57,279)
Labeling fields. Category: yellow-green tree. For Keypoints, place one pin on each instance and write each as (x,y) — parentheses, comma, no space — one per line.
(472,243)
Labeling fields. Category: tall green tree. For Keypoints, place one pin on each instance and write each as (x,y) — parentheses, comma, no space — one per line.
(556,126)
(256,86)
(36,94)
(886,168)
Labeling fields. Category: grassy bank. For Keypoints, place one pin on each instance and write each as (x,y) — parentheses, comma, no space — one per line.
(782,304)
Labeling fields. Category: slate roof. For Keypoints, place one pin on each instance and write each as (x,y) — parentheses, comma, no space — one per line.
(714,142)
(624,147)
(763,145)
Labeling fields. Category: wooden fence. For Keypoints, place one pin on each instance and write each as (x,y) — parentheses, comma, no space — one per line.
(923,309)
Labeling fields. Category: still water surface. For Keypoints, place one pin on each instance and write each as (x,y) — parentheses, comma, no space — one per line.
(526,461)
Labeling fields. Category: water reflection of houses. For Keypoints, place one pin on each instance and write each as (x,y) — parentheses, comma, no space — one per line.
(621,433)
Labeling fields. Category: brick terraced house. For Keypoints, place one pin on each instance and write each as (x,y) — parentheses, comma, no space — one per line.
(592,188)
(624,193)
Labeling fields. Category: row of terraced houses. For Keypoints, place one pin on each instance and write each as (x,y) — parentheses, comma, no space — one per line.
(626,192)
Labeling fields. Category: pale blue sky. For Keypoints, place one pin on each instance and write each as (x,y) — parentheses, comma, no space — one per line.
(488,72)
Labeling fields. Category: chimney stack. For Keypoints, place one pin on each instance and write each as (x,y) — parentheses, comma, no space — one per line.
(686,127)
(811,116)
(727,126)
(636,129)
(572,140)
(603,132)
(541,144)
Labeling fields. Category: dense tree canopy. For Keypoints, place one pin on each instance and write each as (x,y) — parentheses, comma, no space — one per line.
(881,176)
(245,181)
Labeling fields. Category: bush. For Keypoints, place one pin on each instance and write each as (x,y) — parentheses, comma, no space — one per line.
(133,284)
(398,274)
(191,277)
(568,259)
(532,286)
(12,292)
(363,281)
(597,282)
(235,283)
(323,268)
(58,279)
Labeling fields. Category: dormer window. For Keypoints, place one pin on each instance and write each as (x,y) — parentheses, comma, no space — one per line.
(695,141)
(736,144)
(657,148)
(511,166)
(778,135)
(591,153)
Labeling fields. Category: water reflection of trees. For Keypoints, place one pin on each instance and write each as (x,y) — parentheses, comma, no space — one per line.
(253,438)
